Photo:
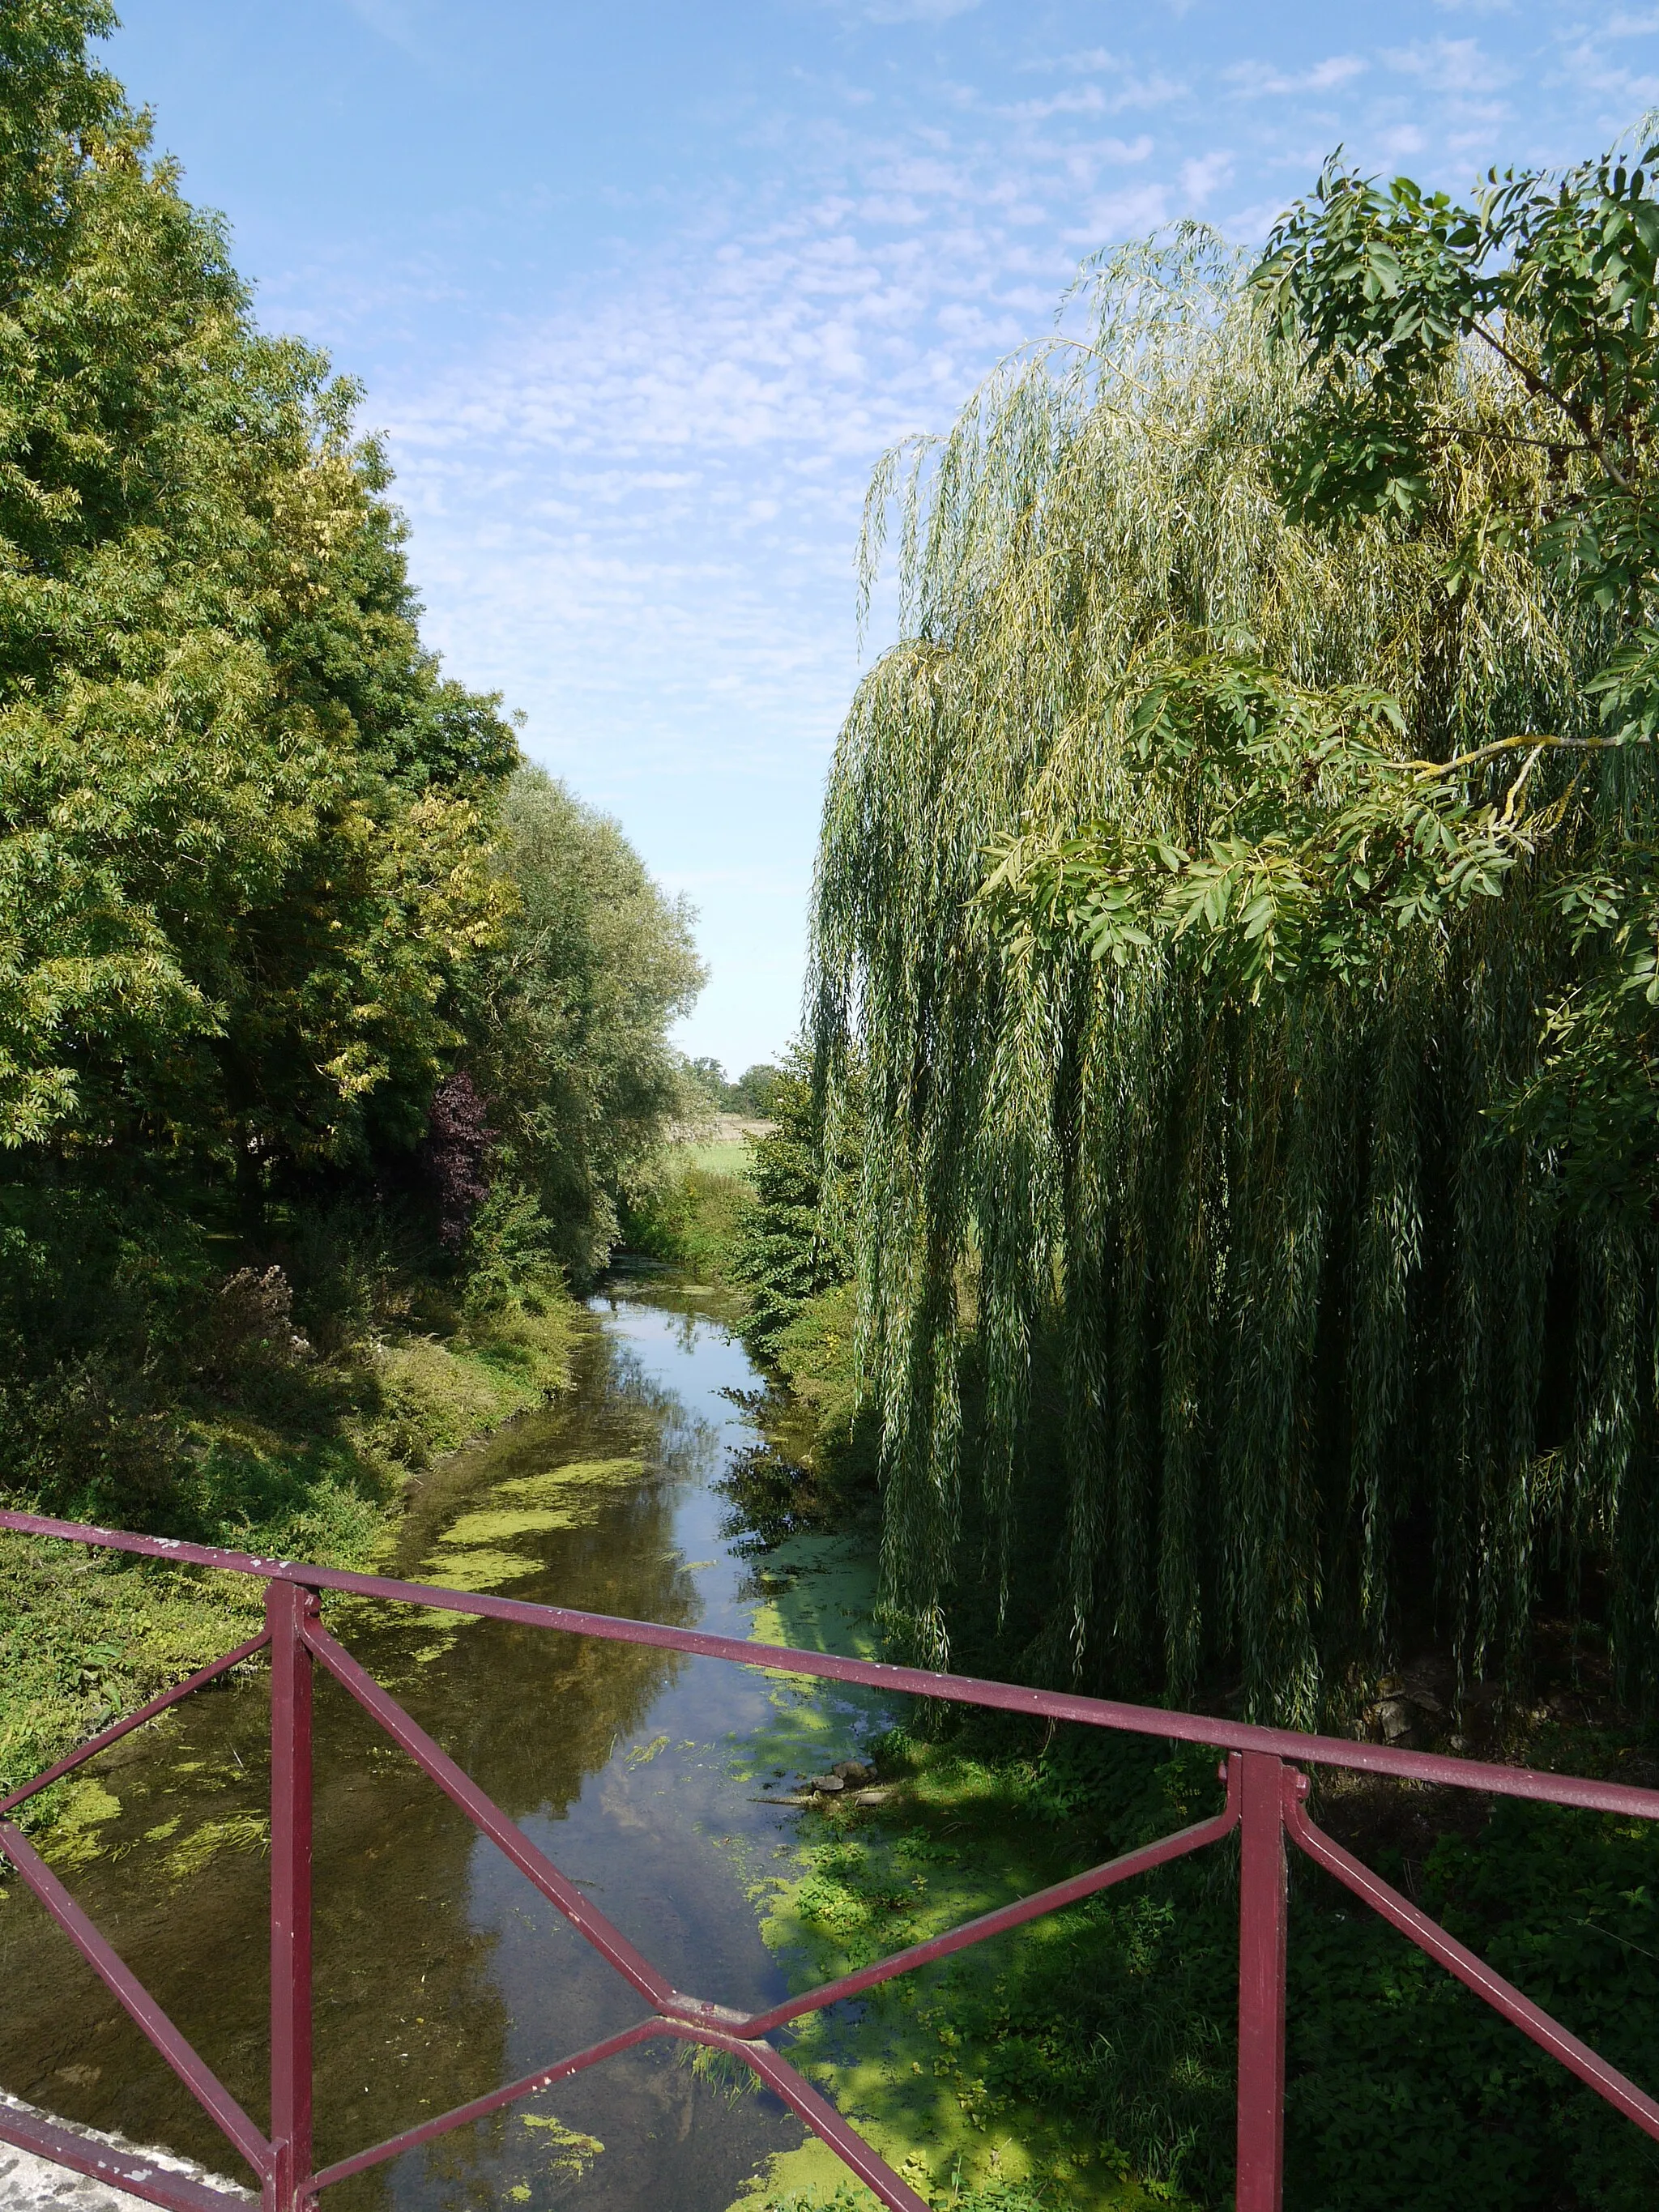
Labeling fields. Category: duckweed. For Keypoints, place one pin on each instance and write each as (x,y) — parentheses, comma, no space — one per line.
(476,1570)
(496,1527)
(576,1474)
(569,2150)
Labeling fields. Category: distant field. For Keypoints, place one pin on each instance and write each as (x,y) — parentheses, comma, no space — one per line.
(727,1156)
(723,1149)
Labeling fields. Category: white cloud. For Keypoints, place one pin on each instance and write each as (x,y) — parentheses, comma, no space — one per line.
(1448,65)
(1118,215)
(914,11)
(399,22)
(1255,80)
(637,509)
(1591,69)
(1200,177)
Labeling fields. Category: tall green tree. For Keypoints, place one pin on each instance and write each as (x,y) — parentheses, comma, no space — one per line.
(1193,874)
(244,821)
(597,964)
(793,1241)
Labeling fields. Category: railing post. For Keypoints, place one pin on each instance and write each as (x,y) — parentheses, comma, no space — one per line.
(1263,1903)
(286,1605)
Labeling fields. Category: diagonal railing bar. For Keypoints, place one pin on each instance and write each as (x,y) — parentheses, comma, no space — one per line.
(508,1838)
(117,1729)
(1058,1894)
(480,2108)
(1263,1802)
(1589,1794)
(136,2172)
(131,1994)
(1503,1997)
(807,2104)
(775,2071)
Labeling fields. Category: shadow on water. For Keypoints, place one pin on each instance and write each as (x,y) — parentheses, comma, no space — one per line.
(440,1971)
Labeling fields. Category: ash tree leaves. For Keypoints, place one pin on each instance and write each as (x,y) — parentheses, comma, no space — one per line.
(1301,833)
(1392,297)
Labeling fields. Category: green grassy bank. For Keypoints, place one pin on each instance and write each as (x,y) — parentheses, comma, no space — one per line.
(300,1446)
(1088,2060)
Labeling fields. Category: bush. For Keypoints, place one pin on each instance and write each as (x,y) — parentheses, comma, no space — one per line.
(689,1217)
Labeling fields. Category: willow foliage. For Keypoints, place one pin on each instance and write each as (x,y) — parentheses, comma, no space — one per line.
(1223,1315)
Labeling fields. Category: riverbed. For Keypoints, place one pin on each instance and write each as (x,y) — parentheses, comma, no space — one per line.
(650,1779)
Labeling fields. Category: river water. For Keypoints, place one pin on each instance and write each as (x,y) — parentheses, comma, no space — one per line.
(439,1971)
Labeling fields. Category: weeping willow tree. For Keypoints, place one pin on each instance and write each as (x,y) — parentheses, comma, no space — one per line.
(1209,882)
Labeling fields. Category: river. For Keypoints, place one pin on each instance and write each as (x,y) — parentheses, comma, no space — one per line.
(439,1971)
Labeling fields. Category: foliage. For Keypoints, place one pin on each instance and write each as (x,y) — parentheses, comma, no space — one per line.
(572,1021)
(324,1038)
(752,1092)
(756,1090)
(1383,2043)
(688,1216)
(454,1153)
(243,835)
(1552,281)
(792,1241)
(1191,877)
(308,1392)
(1117,2019)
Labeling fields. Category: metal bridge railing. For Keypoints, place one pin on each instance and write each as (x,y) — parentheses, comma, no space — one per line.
(1266,1785)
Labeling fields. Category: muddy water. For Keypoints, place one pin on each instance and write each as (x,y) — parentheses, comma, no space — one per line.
(440,1971)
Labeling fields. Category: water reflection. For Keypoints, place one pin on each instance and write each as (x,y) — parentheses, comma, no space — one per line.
(440,1970)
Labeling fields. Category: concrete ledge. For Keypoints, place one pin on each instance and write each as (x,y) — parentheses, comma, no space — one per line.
(125,2176)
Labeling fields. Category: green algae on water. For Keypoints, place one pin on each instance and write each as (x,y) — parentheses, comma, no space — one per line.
(241,1831)
(553,1482)
(476,1570)
(81,1811)
(496,1527)
(569,2151)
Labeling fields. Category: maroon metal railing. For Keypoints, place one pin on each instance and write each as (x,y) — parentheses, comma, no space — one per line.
(1265,1790)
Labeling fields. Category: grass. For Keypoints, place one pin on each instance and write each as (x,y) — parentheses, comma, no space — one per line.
(733,1156)
(691,1218)
(311,1464)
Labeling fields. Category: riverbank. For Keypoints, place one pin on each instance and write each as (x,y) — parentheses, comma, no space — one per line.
(1089,2060)
(310,1460)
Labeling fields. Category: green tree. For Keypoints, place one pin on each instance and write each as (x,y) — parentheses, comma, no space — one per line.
(244,824)
(792,1241)
(1193,872)
(755,1090)
(576,1061)
(248,872)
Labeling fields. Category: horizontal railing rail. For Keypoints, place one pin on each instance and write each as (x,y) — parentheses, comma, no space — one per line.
(1265,1784)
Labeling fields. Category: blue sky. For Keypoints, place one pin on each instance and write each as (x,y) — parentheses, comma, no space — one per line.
(640,290)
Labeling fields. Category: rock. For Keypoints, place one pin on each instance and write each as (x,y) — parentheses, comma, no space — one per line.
(873,1797)
(853,1770)
(1397,1717)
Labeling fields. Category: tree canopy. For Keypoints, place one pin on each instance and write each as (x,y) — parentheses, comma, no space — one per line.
(597,962)
(244,830)
(1210,882)
(284,926)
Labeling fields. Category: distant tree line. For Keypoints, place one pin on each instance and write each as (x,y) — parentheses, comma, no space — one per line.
(754,1093)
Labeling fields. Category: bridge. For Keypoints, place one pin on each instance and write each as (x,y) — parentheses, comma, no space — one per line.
(1263,1773)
